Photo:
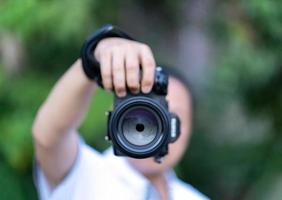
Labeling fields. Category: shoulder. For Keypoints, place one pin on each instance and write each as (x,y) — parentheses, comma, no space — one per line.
(182,189)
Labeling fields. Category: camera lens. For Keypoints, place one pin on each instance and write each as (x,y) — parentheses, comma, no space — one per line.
(140,126)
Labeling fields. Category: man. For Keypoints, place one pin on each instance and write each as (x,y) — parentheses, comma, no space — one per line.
(69,169)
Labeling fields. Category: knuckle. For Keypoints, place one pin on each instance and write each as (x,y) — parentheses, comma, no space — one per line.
(119,48)
(106,75)
(132,79)
(105,52)
(132,83)
(145,48)
(106,81)
(107,86)
(131,67)
(116,48)
(127,45)
(119,78)
(119,83)
(118,70)
(102,54)
(149,63)
(116,51)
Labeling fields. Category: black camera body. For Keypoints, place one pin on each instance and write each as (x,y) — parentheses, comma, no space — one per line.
(141,126)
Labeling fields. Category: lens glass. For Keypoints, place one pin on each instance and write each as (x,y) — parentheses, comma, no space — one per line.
(140,126)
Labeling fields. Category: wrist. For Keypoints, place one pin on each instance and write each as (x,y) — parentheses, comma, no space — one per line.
(80,75)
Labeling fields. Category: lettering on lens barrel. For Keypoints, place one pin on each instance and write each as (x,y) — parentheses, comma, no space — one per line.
(140,126)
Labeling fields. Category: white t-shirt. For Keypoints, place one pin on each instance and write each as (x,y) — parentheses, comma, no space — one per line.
(96,176)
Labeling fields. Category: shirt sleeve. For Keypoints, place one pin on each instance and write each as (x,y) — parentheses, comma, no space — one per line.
(65,189)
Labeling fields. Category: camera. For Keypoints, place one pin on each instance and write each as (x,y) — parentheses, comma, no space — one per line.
(140,125)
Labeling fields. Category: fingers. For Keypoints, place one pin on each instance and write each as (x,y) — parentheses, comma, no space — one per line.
(148,66)
(132,72)
(106,70)
(118,70)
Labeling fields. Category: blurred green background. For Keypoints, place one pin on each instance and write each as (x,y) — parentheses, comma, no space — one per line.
(229,51)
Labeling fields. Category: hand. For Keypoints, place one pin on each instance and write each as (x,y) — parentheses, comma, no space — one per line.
(120,62)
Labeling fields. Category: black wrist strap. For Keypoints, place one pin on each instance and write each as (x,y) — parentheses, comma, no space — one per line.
(90,65)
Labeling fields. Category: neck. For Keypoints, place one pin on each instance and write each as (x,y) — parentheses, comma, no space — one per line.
(160,184)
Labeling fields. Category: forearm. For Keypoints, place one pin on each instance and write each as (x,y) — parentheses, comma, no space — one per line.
(65,106)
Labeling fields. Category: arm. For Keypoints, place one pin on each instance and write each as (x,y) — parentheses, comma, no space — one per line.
(55,127)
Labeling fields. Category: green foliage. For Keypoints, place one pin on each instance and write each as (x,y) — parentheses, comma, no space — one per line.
(9,180)
(54,18)
(266,18)
(94,126)
(19,100)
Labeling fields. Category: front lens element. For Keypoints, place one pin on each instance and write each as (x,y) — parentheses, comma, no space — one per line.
(140,126)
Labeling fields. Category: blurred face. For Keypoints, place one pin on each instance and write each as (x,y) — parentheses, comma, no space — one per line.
(180,103)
